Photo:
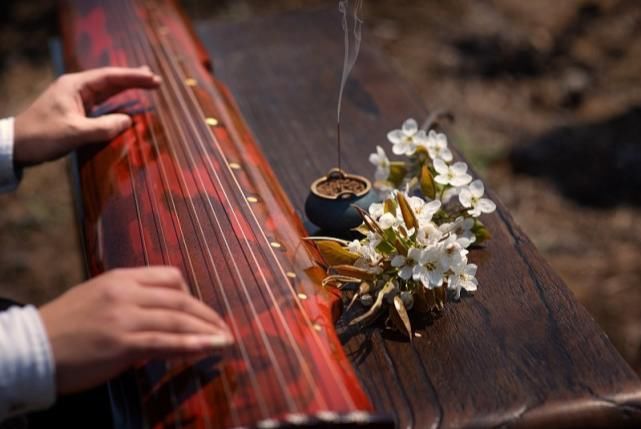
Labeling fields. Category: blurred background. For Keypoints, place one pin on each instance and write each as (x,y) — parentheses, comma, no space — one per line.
(547,99)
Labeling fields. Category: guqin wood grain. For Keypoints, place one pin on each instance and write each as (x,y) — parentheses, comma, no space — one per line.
(187,186)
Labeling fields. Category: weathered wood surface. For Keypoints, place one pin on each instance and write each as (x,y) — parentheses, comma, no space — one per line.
(522,352)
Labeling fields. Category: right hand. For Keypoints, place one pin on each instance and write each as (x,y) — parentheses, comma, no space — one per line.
(102,327)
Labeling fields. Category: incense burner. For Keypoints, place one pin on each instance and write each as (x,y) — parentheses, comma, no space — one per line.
(330,202)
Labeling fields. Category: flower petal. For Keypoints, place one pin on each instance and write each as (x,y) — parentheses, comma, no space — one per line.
(373,158)
(399,148)
(421,138)
(376,210)
(381,173)
(477,188)
(416,203)
(405,273)
(442,179)
(411,148)
(459,168)
(414,254)
(465,197)
(440,166)
(486,206)
(398,261)
(475,211)
(470,285)
(418,272)
(446,154)
(387,220)
(432,206)
(449,193)
(410,127)
(470,269)
(461,180)
(395,136)
(436,278)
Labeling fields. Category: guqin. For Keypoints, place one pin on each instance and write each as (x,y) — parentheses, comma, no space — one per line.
(187,186)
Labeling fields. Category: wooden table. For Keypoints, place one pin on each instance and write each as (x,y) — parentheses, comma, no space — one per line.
(522,352)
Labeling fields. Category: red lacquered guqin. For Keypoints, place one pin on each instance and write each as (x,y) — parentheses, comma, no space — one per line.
(187,186)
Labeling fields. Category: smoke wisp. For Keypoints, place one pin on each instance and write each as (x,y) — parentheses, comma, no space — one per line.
(352,42)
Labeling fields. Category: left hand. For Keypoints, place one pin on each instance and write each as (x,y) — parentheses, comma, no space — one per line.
(57,123)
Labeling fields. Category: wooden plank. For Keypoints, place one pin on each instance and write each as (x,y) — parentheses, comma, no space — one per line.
(522,352)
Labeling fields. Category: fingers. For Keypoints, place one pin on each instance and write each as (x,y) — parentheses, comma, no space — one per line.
(149,345)
(100,129)
(160,276)
(95,86)
(178,301)
(169,321)
(165,307)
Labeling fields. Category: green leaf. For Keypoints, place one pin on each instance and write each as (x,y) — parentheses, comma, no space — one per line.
(397,172)
(481,232)
(400,247)
(334,253)
(428,188)
(385,247)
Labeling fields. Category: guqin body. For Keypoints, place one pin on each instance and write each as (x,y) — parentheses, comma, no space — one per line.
(187,186)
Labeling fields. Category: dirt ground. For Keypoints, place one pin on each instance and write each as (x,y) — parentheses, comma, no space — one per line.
(547,98)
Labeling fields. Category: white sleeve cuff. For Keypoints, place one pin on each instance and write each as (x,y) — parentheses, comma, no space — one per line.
(27,371)
(9,175)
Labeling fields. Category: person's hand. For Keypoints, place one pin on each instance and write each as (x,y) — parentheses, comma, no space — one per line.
(125,316)
(57,123)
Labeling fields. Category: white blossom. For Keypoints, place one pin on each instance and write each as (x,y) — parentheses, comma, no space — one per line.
(454,175)
(387,221)
(471,198)
(428,234)
(454,255)
(354,246)
(366,249)
(426,212)
(430,269)
(463,278)
(373,239)
(406,264)
(380,160)
(464,231)
(406,139)
(462,228)
(423,210)
(436,144)
(376,210)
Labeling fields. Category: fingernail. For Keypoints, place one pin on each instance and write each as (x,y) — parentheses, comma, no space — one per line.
(221,340)
(126,122)
(157,79)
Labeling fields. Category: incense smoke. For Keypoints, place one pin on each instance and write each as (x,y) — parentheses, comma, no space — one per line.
(355,44)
